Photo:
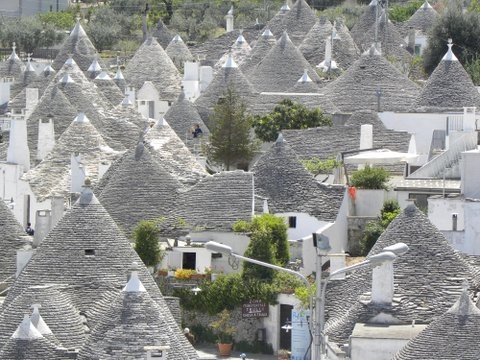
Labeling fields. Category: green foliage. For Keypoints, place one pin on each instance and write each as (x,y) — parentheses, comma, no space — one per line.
(370,178)
(241,226)
(403,12)
(348,12)
(304,294)
(288,115)
(372,232)
(59,19)
(375,228)
(273,230)
(146,235)
(230,140)
(473,69)
(202,334)
(287,283)
(462,27)
(223,328)
(226,292)
(260,247)
(317,166)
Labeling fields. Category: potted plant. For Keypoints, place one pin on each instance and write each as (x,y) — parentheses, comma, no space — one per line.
(224,332)
(283,354)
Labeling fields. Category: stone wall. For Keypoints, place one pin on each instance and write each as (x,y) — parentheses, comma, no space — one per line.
(246,328)
(356,226)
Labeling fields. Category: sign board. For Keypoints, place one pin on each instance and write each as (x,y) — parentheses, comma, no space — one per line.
(254,309)
(301,337)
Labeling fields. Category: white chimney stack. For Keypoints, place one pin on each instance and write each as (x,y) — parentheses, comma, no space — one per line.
(18,152)
(43,224)
(46,137)
(229,20)
(382,283)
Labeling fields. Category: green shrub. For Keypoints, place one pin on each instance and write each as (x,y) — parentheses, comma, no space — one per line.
(146,236)
(372,232)
(370,178)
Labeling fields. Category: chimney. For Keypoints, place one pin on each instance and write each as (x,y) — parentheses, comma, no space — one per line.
(338,261)
(411,40)
(134,284)
(382,283)
(31,95)
(77,173)
(18,152)
(366,136)
(229,20)
(58,209)
(469,121)
(46,137)
(43,224)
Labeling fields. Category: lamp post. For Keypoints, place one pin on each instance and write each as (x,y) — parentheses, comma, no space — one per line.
(387,254)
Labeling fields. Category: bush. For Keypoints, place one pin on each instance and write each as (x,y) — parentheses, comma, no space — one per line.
(146,236)
(375,228)
(370,178)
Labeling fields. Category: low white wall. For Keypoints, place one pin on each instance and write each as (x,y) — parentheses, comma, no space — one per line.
(375,349)
(369,202)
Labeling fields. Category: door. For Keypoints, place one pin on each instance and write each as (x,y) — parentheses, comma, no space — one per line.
(285,318)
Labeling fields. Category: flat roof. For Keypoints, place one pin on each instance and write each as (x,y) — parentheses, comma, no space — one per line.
(399,183)
(384,331)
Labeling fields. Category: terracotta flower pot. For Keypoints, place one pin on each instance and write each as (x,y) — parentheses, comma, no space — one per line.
(224,349)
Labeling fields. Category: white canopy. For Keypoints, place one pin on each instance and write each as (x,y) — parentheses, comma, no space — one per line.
(380,156)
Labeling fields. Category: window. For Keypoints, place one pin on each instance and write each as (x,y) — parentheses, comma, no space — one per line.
(292,222)
(89,252)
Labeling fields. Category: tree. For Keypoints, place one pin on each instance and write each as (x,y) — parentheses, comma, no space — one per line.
(231,142)
(403,12)
(370,178)
(146,235)
(462,28)
(268,243)
(288,115)
(316,166)
(375,228)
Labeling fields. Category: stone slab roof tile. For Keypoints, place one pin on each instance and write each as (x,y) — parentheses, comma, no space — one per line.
(428,278)
(452,335)
(151,63)
(12,238)
(289,187)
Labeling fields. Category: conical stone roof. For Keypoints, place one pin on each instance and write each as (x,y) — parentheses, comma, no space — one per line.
(281,67)
(172,154)
(178,51)
(146,189)
(262,46)
(289,187)
(449,87)
(27,343)
(453,334)
(26,77)
(369,77)
(229,76)
(79,46)
(313,45)
(134,320)
(151,63)
(297,22)
(52,176)
(55,105)
(345,51)
(108,88)
(364,24)
(163,34)
(239,51)
(12,67)
(89,253)
(57,311)
(182,117)
(12,238)
(425,290)
(423,19)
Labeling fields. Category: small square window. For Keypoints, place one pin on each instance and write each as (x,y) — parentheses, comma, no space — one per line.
(89,252)
(292,222)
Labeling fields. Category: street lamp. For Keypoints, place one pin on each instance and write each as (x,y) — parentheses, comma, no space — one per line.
(388,253)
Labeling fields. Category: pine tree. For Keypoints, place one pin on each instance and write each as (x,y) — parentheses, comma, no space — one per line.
(231,142)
